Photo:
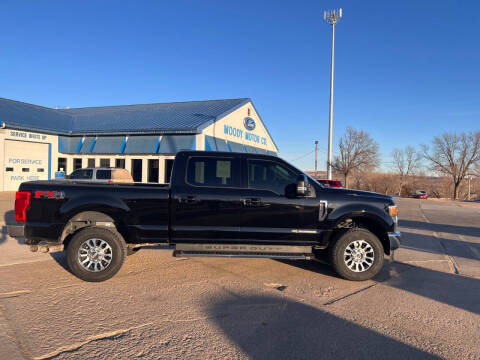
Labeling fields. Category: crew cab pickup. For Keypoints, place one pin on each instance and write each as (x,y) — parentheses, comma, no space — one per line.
(217,204)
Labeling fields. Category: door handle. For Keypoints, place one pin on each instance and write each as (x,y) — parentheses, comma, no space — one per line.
(252,202)
(190,199)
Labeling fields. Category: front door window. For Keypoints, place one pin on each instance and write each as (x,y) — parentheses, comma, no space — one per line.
(269,175)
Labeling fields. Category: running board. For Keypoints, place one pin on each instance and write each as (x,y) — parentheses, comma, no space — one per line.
(244,251)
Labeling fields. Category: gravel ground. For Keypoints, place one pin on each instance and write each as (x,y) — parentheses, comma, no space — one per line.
(424,305)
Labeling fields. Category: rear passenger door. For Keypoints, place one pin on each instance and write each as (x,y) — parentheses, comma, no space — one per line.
(206,204)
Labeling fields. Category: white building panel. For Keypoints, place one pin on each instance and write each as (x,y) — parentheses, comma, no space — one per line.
(24,161)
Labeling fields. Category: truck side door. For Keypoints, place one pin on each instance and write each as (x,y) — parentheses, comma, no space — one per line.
(273,213)
(205,203)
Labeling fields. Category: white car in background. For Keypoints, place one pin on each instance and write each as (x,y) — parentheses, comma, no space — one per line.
(102,175)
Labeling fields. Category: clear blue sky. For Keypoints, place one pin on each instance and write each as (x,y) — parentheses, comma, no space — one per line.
(405,71)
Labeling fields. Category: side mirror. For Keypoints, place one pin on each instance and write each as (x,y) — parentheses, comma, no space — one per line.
(302,185)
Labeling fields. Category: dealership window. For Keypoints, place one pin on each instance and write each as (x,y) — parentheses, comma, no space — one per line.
(209,171)
(40,170)
(9,169)
(153,170)
(77,164)
(91,163)
(25,169)
(137,170)
(62,165)
(168,170)
(120,163)
(268,175)
(104,162)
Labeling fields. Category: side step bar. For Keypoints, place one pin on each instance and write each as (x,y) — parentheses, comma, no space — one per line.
(244,251)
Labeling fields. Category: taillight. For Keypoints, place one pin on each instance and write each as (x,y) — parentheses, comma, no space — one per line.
(22,202)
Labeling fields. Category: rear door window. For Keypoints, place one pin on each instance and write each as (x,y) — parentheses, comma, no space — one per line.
(212,172)
(104,174)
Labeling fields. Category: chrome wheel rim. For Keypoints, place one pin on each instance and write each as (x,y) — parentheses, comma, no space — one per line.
(95,255)
(359,256)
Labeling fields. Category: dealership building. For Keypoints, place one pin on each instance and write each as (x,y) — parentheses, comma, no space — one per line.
(37,142)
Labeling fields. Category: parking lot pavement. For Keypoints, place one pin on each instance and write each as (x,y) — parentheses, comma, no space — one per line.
(441,235)
(425,305)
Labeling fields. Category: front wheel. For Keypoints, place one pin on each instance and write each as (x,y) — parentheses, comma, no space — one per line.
(96,254)
(357,255)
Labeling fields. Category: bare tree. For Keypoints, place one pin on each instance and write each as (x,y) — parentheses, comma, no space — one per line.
(358,151)
(476,171)
(454,155)
(405,163)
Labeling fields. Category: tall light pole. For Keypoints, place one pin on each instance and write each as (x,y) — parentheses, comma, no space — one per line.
(332,17)
(316,157)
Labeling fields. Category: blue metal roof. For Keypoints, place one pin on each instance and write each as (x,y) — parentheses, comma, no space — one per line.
(162,118)
(23,116)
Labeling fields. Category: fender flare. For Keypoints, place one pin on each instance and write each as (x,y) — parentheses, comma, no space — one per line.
(370,213)
(108,211)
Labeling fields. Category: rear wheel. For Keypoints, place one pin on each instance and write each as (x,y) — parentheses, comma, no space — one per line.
(357,254)
(96,254)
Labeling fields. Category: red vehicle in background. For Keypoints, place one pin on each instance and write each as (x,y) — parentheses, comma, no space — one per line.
(331,183)
(420,194)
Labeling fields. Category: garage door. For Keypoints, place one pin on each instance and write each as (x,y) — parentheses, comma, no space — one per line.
(24,161)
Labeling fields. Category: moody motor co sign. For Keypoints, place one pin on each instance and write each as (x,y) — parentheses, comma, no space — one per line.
(249,124)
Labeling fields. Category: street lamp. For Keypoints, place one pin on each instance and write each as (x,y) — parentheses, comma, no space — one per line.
(332,17)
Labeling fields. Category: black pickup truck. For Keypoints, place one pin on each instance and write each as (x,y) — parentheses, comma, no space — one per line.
(217,204)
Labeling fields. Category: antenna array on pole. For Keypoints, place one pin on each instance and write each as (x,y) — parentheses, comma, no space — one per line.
(332,16)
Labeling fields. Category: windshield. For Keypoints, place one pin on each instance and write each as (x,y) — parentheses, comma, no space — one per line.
(308,176)
(314,180)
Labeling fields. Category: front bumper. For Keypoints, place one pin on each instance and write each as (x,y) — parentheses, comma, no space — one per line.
(16,230)
(395,239)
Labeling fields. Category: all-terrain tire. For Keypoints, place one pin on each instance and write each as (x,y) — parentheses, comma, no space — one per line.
(105,240)
(368,245)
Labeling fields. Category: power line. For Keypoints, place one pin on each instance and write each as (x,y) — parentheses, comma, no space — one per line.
(302,156)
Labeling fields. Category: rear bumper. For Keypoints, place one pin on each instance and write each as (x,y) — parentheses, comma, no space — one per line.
(16,230)
(395,239)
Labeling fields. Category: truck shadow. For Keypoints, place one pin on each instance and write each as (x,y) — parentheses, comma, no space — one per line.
(61,259)
(9,218)
(271,327)
(3,234)
(451,289)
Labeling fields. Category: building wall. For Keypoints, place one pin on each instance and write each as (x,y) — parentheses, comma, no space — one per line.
(23,150)
(112,157)
(25,154)
(231,128)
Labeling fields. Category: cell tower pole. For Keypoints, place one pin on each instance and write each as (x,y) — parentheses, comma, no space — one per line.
(332,17)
